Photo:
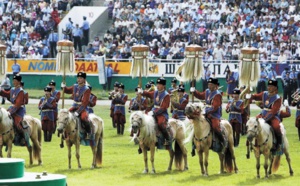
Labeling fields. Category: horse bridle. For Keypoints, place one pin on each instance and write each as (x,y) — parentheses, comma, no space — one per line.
(255,135)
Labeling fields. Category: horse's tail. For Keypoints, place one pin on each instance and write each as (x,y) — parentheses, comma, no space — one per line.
(100,146)
(228,161)
(36,147)
(178,159)
(276,163)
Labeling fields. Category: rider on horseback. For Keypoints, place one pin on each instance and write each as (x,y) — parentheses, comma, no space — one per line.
(271,109)
(81,95)
(213,110)
(160,109)
(17,109)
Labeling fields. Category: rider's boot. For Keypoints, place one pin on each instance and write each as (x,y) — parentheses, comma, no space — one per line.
(299,133)
(279,142)
(167,134)
(91,135)
(237,140)
(193,153)
(222,140)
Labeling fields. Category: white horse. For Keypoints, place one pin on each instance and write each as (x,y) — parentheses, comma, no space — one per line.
(202,137)
(147,139)
(68,124)
(260,131)
(7,131)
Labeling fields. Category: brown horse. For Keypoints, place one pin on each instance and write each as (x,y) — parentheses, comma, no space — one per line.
(147,139)
(68,124)
(202,137)
(260,131)
(7,131)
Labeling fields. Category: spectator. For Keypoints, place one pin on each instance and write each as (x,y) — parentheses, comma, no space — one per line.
(5,85)
(16,68)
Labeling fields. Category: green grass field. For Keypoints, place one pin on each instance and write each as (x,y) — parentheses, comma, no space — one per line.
(122,165)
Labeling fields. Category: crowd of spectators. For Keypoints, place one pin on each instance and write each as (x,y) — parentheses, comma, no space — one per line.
(223,27)
(28,27)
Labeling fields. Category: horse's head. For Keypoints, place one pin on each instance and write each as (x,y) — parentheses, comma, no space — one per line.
(136,121)
(253,128)
(62,120)
(193,110)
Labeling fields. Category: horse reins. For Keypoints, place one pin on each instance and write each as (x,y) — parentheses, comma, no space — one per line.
(201,139)
(256,133)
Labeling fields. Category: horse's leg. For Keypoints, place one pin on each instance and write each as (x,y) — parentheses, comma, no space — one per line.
(184,153)
(171,153)
(78,153)
(94,151)
(206,155)
(152,151)
(145,158)
(266,165)
(257,165)
(69,154)
(221,158)
(271,163)
(288,159)
(37,147)
(30,154)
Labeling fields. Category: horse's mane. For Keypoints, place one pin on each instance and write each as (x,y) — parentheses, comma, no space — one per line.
(148,133)
(4,118)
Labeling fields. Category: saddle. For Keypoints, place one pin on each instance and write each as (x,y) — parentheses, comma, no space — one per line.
(216,145)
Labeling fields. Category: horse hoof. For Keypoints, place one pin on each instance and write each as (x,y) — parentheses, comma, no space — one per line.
(185,169)
(92,167)
(169,169)
(145,171)
(61,146)
(291,173)
(258,176)
(153,172)
(205,175)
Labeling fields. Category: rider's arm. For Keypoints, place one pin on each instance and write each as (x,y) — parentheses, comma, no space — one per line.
(199,95)
(93,101)
(68,90)
(257,97)
(148,94)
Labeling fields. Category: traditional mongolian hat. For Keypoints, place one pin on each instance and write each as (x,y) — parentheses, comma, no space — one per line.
(116,84)
(213,81)
(148,85)
(47,89)
(52,83)
(122,86)
(236,91)
(161,80)
(17,77)
(81,74)
(174,80)
(273,82)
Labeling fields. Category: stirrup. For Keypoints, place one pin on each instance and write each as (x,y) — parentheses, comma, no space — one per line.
(167,143)
(90,136)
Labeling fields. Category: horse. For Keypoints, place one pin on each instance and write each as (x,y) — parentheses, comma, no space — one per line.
(261,131)
(69,125)
(203,139)
(8,134)
(145,123)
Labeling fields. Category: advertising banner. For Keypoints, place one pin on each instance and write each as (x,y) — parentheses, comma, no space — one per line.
(167,69)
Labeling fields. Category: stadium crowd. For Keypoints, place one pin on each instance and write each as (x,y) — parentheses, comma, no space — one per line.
(223,27)
(29,27)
